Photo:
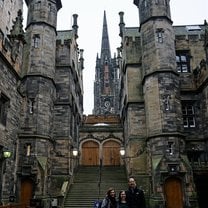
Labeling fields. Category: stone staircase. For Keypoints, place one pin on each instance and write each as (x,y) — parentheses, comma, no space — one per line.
(85,189)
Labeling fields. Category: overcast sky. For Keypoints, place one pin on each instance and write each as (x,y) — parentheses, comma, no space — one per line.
(90,20)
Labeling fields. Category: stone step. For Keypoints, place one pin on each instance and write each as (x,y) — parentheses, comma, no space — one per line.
(85,190)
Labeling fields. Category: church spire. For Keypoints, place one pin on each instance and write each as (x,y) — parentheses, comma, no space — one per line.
(105,46)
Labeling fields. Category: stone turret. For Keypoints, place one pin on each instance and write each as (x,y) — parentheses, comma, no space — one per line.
(161,88)
(38,90)
(41,38)
(153,9)
(43,12)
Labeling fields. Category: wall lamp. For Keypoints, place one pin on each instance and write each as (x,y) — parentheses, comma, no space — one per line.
(122,151)
(75,152)
(6,154)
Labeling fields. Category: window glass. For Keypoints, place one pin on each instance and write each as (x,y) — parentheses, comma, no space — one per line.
(177,58)
(36,41)
(183,58)
(188,115)
(183,62)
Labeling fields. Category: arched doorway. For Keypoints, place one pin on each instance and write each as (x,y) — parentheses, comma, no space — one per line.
(26,191)
(111,154)
(90,153)
(173,193)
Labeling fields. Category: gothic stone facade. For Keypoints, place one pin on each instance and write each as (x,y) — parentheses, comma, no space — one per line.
(101,137)
(164,106)
(41,101)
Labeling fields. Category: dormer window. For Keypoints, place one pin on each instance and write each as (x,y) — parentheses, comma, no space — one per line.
(193,28)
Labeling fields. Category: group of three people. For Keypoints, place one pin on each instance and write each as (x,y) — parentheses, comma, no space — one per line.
(131,198)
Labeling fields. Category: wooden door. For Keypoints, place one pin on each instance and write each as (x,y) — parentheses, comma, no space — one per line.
(90,153)
(173,193)
(26,191)
(111,154)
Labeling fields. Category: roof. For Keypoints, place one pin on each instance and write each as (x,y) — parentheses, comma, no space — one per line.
(189,29)
(179,30)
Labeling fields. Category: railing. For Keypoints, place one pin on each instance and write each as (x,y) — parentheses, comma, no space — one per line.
(100,177)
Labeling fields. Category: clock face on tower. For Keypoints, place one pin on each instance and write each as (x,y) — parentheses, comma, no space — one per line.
(107,104)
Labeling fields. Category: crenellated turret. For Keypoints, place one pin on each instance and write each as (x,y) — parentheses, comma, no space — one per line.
(149,9)
(44,11)
(38,90)
(161,89)
(157,36)
(39,58)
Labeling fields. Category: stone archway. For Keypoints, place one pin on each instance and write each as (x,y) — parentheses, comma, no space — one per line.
(90,153)
(173,193)
(110,153)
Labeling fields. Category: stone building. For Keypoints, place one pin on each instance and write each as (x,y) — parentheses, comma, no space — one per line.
(41,101)
(101,137)
(8,14)
(11,48)
(164,106)
(154,108)
(101,134)
(106,91)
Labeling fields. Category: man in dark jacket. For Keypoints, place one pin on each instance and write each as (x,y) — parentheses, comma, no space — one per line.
(135,196)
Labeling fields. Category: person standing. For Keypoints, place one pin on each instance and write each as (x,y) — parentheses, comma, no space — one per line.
(134,195)
(122,203)
(110,200)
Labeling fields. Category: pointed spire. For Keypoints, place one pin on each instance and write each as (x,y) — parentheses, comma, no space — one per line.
(105,46)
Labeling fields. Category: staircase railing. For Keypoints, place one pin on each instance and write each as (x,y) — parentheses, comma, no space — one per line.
(100,177)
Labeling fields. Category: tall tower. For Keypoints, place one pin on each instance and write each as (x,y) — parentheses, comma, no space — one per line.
(38,90)
(106,78)
(161,88)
